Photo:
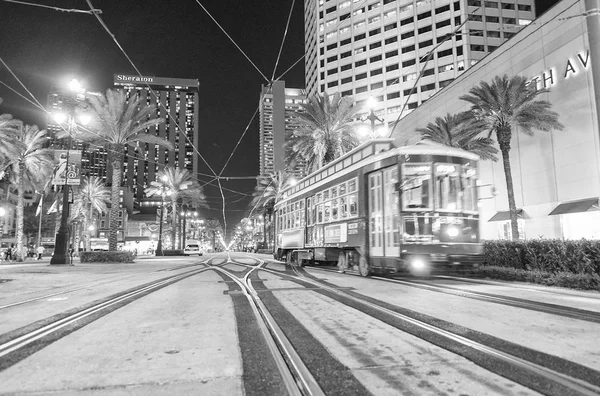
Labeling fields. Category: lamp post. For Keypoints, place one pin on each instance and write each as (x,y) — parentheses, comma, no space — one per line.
(61,248)
(164,191)
(2,214)
(372,117)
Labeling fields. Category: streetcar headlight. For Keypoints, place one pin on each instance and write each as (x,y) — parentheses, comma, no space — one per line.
(418,264)
(452,232)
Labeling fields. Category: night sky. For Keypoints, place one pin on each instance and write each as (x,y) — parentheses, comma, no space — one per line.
(177,39)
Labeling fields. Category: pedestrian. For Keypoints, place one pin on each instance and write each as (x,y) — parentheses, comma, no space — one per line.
(40,252)
(9,252)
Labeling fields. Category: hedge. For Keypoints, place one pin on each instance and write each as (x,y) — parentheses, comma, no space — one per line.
(172,252)
(561,279)
(106,257)
(548,255)
(552,262)
(265,251)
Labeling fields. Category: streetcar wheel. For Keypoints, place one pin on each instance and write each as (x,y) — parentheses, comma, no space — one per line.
(363,266)
(288,258)
(342,262)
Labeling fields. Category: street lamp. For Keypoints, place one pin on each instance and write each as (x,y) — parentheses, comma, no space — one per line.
(61,248)
(2,214)
(185,215)
(164,191)
(371,104)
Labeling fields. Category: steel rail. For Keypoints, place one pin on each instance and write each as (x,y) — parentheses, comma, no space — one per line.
(578,385)
(34,335)
(93,284)
(297,379)
(555,309)
(575,384)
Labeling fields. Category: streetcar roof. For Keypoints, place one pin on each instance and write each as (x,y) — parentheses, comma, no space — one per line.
(375,150)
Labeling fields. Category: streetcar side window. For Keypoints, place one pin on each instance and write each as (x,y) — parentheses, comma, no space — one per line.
(416,185)
(469,183)
(353,206)
(334,209)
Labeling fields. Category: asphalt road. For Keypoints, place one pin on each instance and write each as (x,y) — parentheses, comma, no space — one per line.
(198,335)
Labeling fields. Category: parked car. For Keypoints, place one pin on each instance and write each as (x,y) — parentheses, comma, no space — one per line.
(193,247)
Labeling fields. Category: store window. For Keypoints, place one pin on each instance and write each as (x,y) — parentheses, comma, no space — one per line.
(581,225)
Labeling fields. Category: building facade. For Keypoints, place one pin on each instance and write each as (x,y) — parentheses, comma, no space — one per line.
(177,102)
(93,157)
(556,175)
(276,118)
(402,52)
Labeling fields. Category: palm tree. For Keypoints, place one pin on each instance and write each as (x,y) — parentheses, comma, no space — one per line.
(460,131)
(504,102)
(323,131)
(181,185)
(266,194)
(31,164)
(92,197)
(8,128)
(122,122)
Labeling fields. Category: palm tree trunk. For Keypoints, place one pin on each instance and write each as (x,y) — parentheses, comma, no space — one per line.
(115,205)
(512,207)
(77,237)
(20,204)
(88,234)
(173,223)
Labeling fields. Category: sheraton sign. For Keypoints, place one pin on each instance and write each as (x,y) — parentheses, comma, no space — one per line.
(142,79)
(125,79)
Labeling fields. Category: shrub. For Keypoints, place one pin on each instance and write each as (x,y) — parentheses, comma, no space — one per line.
(547,255)
(106,257)
(173,252)
(562,279)
(265,251)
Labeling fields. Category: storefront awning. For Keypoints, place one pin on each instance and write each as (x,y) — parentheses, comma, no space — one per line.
(505,215)
(582,205)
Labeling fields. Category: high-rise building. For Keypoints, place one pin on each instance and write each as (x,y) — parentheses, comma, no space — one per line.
(93,159)
(177,102)
(402,52)
(277,107)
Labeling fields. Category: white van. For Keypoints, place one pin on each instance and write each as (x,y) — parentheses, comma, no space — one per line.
(192,247)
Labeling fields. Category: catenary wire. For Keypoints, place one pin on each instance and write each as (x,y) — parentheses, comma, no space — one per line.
(233,41)
(287,25)
(93,11)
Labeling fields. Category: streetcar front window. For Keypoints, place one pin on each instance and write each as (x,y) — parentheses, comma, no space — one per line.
(416,182)
(455,187)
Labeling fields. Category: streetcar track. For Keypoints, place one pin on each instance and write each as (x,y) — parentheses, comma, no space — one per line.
(554,309)
(297,378)
(579,380)
(90,285)
(538,306)
(18,344)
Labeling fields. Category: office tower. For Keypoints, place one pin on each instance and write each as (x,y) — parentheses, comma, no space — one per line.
(93,159)
(277,107)
(177,102)
(401,52)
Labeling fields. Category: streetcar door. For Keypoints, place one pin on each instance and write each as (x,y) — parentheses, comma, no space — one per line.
(376,215)
(391,215)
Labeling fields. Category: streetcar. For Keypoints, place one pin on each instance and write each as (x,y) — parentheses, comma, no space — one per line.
(384,209)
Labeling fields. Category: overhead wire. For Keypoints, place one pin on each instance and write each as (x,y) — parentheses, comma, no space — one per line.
(232,40)
(93,11)
(287,25)
(427,59)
